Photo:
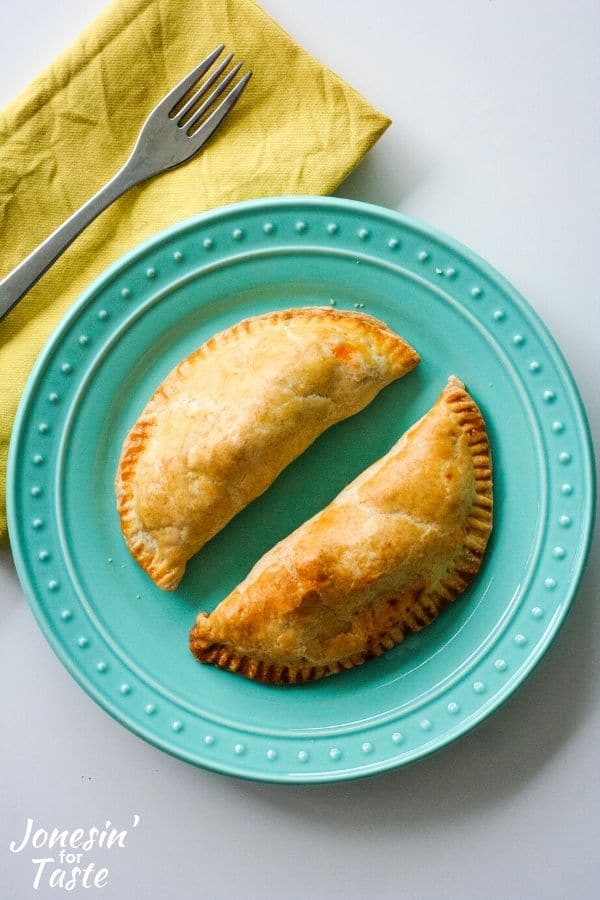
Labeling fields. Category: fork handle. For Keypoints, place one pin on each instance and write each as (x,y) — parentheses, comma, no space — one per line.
(28,272)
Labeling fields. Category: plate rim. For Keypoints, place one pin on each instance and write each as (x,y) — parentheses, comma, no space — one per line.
(500,696)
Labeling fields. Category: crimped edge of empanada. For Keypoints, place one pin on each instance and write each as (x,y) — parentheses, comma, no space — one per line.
(167,573)
(424,610)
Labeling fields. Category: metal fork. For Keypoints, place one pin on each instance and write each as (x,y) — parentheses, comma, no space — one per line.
(168,137)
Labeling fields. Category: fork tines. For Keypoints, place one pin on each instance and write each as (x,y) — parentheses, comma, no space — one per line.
(186,112)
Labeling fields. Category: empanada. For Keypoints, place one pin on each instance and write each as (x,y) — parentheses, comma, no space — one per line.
(394,547)
(230,417)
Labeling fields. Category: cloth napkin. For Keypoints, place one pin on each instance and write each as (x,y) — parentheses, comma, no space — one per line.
(298,129)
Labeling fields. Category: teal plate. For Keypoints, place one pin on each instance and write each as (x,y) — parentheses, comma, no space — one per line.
(125,641)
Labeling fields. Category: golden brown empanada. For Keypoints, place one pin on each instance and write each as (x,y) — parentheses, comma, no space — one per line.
(230,417)
(396,546)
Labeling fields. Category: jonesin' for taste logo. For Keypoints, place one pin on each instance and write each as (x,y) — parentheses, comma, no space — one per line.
(69,866)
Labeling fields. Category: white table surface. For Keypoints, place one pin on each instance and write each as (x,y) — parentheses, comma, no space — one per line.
(495,140)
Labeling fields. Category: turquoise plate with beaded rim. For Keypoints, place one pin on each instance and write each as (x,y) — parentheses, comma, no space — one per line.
(126,642)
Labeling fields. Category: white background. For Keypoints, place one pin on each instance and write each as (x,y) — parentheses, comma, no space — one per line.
(496,141)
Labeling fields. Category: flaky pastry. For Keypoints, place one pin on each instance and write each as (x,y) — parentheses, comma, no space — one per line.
(393,548)
(230,417)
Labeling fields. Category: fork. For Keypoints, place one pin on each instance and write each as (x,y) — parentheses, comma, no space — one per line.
(168,137)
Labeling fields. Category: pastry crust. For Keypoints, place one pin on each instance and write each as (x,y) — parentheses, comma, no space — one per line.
(394,548)
(226,421)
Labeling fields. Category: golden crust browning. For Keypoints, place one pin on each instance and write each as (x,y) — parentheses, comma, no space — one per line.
(233,414)
(382,560)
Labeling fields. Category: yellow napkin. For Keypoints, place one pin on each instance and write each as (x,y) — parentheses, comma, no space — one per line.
(297,129)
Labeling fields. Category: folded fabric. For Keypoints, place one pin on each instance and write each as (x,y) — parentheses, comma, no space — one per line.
(297,129)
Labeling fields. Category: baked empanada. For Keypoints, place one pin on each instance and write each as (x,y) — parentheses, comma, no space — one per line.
(394,547)
(230,417)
